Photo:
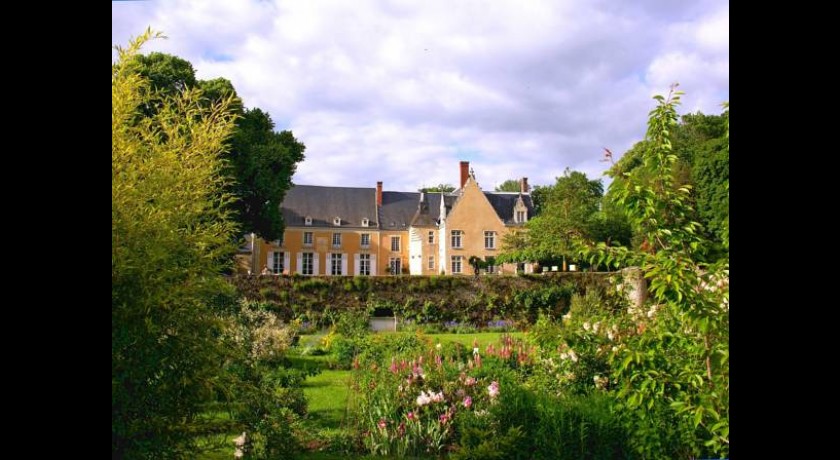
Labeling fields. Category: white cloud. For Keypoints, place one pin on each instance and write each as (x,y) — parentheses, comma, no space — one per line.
(400,91)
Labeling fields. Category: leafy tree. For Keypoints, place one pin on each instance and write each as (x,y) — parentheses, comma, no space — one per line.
(567,212)
(170,233)
(671,364)
(701,151)
(510,185)
(440,188)
(261,161)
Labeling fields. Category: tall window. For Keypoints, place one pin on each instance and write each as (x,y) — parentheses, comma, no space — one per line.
(364,264)
(489,240)
(395,265)
(308,264)
(307,238)
(456,264)
(336,240)
(335,264)
(432,237)
(456,238)
(277,263)
(395,244)
(432,263)
(365,240)
(520,216)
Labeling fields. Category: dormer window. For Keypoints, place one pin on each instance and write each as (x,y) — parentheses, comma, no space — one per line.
(365,222)
(337,221)
(307,220)
(521,216)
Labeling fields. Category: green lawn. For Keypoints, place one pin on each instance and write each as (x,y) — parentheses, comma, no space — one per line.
(328,391)
(483,338)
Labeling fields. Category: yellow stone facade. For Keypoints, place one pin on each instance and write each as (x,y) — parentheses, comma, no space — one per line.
(464,224)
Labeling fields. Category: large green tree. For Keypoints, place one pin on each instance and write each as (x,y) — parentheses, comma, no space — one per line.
(261,160)
(671,363)
(171,235)
(701,162)
(568,209)
(510,185)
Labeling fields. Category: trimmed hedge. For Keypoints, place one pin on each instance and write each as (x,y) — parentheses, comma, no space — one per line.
(426,299)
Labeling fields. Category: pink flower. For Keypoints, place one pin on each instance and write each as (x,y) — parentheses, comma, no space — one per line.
(444,417)
(470,381)
(493,389)
(382,424)
(410,415)
(467,401)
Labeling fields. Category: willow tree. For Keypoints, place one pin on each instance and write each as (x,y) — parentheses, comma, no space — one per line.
(170,240)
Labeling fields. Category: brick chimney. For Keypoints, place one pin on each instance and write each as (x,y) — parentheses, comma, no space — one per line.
(379,193)
(523,185)
(465,172)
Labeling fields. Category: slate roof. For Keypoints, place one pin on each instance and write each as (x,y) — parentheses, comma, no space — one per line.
(503,203)
(399,209)
(323,204)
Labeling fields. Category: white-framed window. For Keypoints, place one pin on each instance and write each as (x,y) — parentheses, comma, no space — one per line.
(395,244)
(336,240)
(335,264)
(364,240)
(277,263)
(432,263)
(521,216)
(365,222)
(395,265)
(456,238)
(307,238)
(308,264)
(456,264)
(489,240)
(364,264)
(337,221)
(307,220)
(432,237)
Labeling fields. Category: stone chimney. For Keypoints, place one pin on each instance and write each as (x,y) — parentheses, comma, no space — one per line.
(379,193)
(465,172)
(523,185)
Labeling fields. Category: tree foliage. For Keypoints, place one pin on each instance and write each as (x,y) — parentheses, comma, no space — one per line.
(510,185)
(673,363)
(260,160)
(171,236)
(440,188)
(701,160)
(568,210)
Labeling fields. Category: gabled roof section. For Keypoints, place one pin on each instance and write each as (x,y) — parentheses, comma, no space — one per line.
(323,204)
(431,217)
(504,202)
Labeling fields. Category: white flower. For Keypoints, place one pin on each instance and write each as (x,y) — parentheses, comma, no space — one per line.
(595,327)
(586,326)
(475,351)
(439,346)
(573,356)
(423,399)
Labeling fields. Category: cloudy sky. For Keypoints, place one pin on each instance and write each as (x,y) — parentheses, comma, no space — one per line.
(402,90)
